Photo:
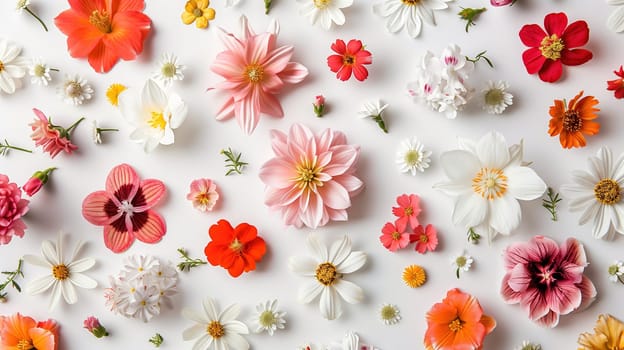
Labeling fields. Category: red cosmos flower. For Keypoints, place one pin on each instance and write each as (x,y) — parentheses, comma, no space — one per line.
(617,85)
(551,49)
(104,30)
(350,58)
(426,238)
(393,237)
(235,249)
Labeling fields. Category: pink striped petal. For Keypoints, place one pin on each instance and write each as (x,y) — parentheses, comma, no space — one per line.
(117,240)
(515,254)
(99,209)
(278,60)
(535,304)
(153,229)
(520,278)
(334,195)
(270,105)
(278,173)
(351,183)
(122,182)
(248,112)
(153,191)
(588,292)
(293,73)
(227,110)
(256,48)
(550,320)
(509,295)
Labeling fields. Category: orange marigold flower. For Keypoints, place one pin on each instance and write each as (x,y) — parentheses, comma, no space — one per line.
(457,322)
(573,121)
(235,249)
(23,332)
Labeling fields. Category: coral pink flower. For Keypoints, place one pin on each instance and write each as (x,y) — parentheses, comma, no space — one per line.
(93,325)
(350,58)
(547,279)
(22,332)
(392,238)
(255,70)
(54,139)
(12,208)
(617,85)
(124,209)
(426,239)
(311,179)
(203,194)
(407,211)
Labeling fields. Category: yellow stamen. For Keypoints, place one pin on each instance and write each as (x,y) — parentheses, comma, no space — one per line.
(254,73)
(607,192)
(1,66)
(551,47)
(236,245)
(326,274)
(396,235)
(456,325)
(307,174)
(24,344)
(101,20)
(157,121)
(490,183)
(60,272)
(215,329)
(572,122)
(411,2)
(321,4)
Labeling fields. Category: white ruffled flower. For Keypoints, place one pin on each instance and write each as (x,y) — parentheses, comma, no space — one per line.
(324,12)
(75,90)
(409,14)
(412,156)
(486,179)
(39,72)
(168,70)
(12,66)
(216,330)
(496,98)
(154,114)
(325,271)
(64,273)
(351,341)
(268,318)
(615,22)
(597,193)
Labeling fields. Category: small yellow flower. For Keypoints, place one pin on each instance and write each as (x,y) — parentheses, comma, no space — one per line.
(113,92)
(414,276)
(198,11)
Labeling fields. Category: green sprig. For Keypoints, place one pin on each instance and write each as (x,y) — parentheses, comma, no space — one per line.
(470,15)
(233,162)
(267,6)
(5,147)
(157,340)
(10,280)
(188,263)
(473,237)
(551,203)
(481,55)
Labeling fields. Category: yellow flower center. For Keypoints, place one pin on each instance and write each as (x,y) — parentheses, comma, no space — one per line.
(414,276)
(1,67)
(388,312)
(608,192)
(321,4)
(266,319)
(236,245)
(101,21)
(411,2)
(409,211)
(423,238)
(326,274)
(551,47)
(461,261)
(73,88)
(572,122)
(412,157)
(490,183)
(307,175)
(456,325)
(60,272)
(157,121)
(168,70)
(396,235)
(113,92)
(254,73)
(348,60)
(39,70)
(215,329)
(24,345)
(493,97)
(203,198)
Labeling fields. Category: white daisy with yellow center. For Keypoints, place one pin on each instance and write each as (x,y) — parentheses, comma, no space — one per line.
(324,12)
(412,157)
(12,66)
(168,70)
(408,14)
(268,318)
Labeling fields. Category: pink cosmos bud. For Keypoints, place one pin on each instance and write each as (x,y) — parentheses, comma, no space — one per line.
(501,2)
(319,101)
(36,181)
(319,105)
(93,325)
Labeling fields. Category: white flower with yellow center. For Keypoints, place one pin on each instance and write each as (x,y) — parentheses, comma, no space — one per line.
(326,270)
(12,66)
(409,14)
(168,70)
(597,193)
(268,318)
(389,314)
(64,273)
(487,179)
(75,90)
(324,12)
(216,330)
(155,113)
(412,156)
(496,98)
(39,72)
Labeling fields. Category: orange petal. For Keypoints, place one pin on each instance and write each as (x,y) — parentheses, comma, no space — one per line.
(86,7)
(256,248)
(441,313)
(126,5)
(558,110)
(555,126)
(42,339)
(590,127)
(489,323)
(572,103)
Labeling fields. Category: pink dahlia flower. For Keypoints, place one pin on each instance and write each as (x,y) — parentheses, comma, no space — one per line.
(255,70)
(124,209)
(12,208)
(547,279)
(52,138)
(311,179)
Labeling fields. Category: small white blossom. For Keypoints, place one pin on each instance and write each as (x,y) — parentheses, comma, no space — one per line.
(268,318)
(39,72)
(168,70)
(75,90)
(412,157)
(496,98)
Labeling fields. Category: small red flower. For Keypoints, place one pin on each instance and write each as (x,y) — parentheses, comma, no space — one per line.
(235,249)
(551,49)
(350,58)
(407,211)
(394,238)
(617,85)
(426,239)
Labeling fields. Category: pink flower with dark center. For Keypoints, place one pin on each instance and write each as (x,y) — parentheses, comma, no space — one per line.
(546,279)
(407,211)
(52,138)
(255,70)
(426,239)
(392,238)
(12,208)
(312,178)
(124,209)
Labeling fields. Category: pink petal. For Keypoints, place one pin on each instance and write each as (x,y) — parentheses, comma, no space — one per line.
(542,248)
(257,48)
(229,65)
(350,183)
(509,295)
(279,143)
(122,182)
(550,320)
(94,209)
(314,216)
(248,112)
(334,195)
(153,191)
(520,278)
(293,73)
(343,158)
(534,303)
(516,254)
(282,197)
(230,42)
(278,60)
(271,85)
(40,115)
(588,292)
(153,229)
(116,240)
(227,110)
(563,298)
(278,173)
(270,105)
(337,215)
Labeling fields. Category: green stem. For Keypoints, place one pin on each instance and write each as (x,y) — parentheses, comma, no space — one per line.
(71,127)
(36,17)
(54,70)
(380,122)
(17,148)
(106,129)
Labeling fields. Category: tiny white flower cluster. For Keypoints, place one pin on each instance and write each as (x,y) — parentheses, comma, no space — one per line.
(142,287)
(441,81)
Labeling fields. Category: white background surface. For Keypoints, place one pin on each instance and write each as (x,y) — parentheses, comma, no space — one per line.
(196,154)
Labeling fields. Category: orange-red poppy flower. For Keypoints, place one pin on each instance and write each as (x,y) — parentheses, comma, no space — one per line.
(235,249)
(457,322)
(104,30)
(571,122)
(23,332)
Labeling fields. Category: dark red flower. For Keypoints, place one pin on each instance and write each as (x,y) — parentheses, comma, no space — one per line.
(350,58)
(551,49)
(617,85)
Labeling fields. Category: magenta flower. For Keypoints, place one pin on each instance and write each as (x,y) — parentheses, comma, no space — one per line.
(393,238)
(547,279)
(502,2)
(312,178)
(255,70)
(407,211)
(124,209)
(12,208)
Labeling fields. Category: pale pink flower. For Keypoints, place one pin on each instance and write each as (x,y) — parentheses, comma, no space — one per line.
(407,211)
(12,208)
(53,139)
(546,279)
(124,209)
(312,178)
(394,238)
(426,239)
(203,194)
(255,70)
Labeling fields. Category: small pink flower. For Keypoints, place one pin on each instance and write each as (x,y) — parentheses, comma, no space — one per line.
(501,2)
(319,100)
(392,238)
(12,208)
(203,194)
(426,239)
(92,324)
(52,138)
(547,280)
(124,209)
(407,211)
(319,105)
(36,181)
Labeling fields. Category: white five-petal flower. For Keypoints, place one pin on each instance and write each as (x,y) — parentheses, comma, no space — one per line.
(216,330)
(326,270)
(409,14)
(12,66)
(64,273)
(324,12)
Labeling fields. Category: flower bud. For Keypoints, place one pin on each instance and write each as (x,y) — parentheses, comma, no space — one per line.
(93,325)
(319,105)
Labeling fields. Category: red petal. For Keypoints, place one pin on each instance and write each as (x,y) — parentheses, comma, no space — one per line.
(555,23)
(533,60)
(360,72)
(221,232)
(153,191)
(122,178)
(551,71)
(116,240)
(245,232)
(152,230)
(256,249)
(214,252)
(237,267)
(94,208)
(575,57)
(532,35)
(344,73)
(354,46)
(577,34)
(619,93)
(101,59)
(126,5)
(334,62)
(339,47)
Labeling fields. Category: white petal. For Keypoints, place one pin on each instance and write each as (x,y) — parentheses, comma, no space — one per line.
(470,210)
(302,265)
(582,202)
(6,83)
(413,25)
(426,14)
(203,343)
(590,212)
(492,150)
(229,313)
(505,214)
(330,305)
(618,217)
(219,344)
(129,107)
(178,110)
(210,309)
(309,291)
(49,253)
(153,96)
(194,332)
(337,16)
(168,137)
(37,260)
(77,250)
(352,263)
(615,22)
(81,265)
(82,280)
(69,292)
(339,250)
(235,327)
(235,341)
(40,285)
(349,291)
(460,166)
(317,249)
(454,189)
(524,183)
(192,315)
(55,297)
(601,223)
(600,165)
